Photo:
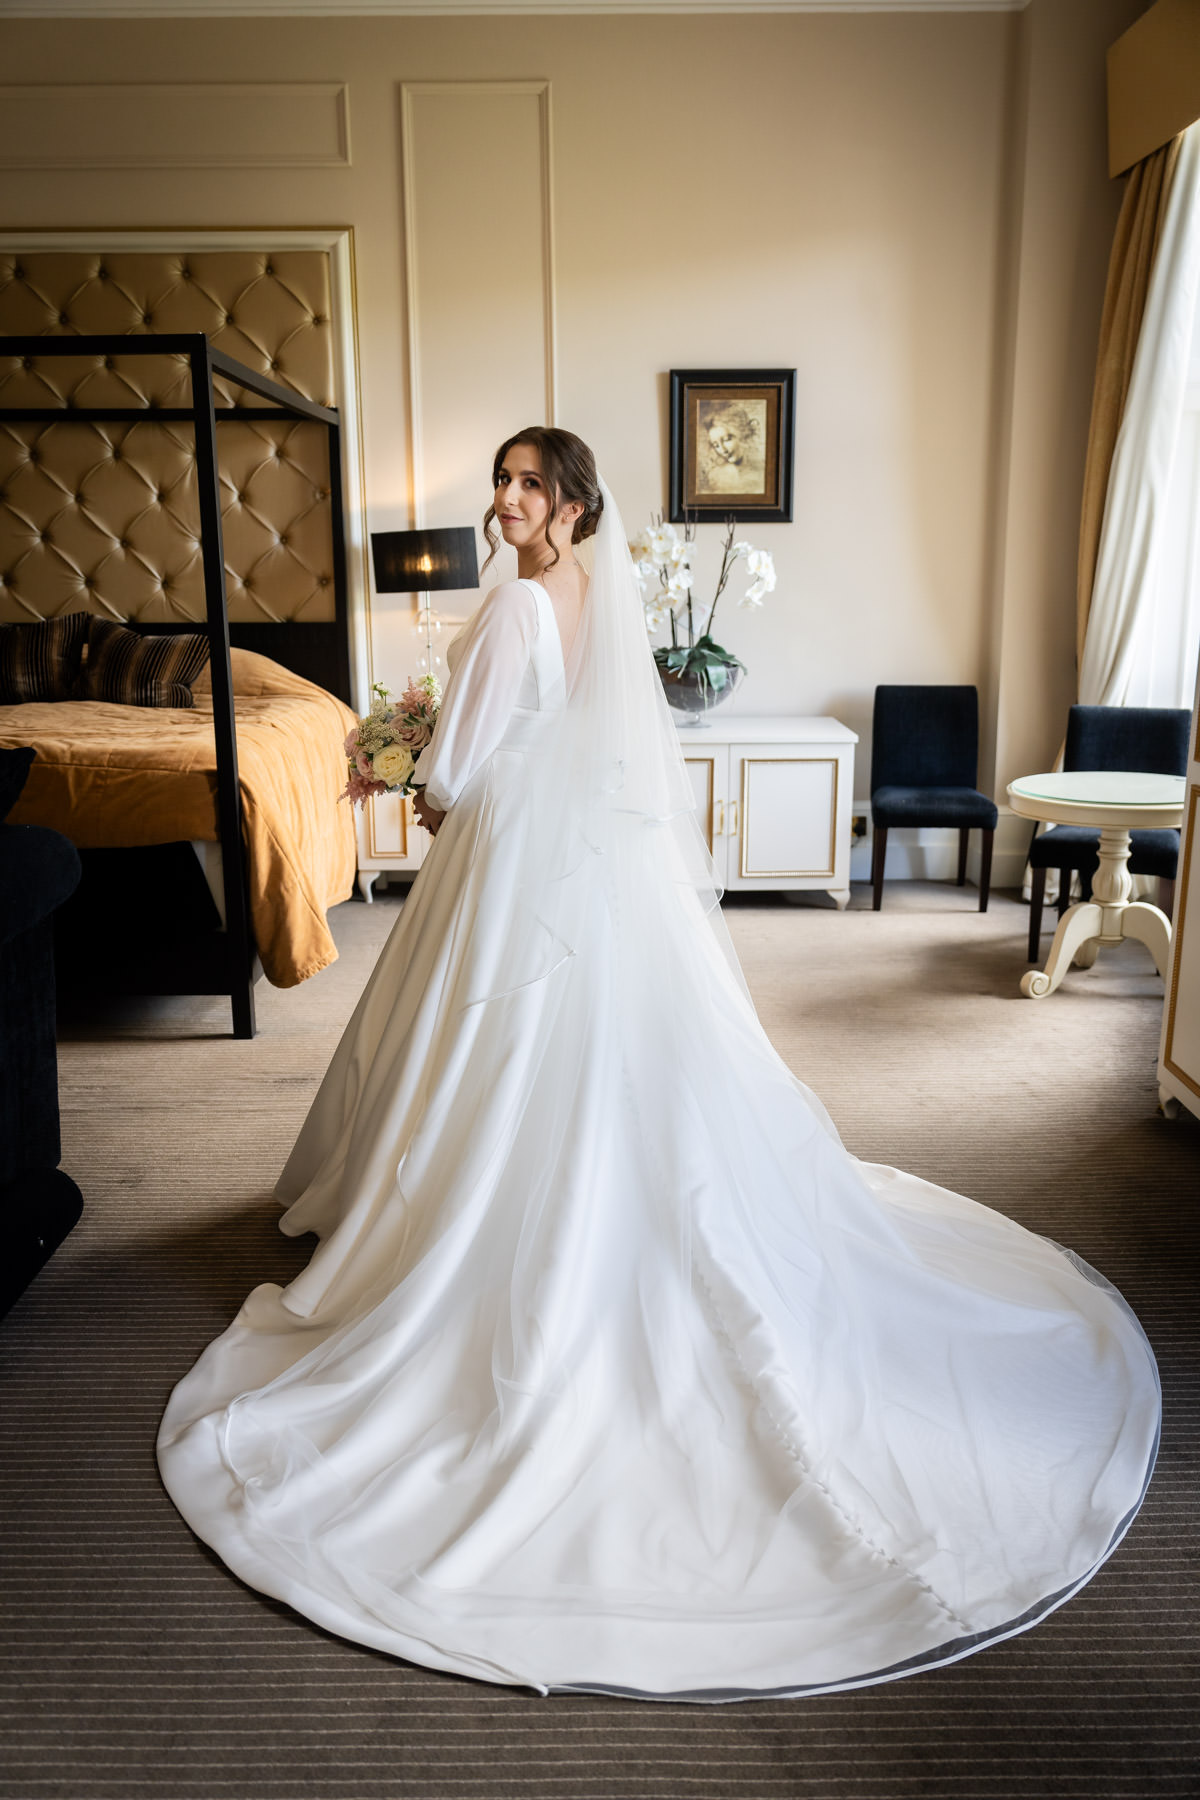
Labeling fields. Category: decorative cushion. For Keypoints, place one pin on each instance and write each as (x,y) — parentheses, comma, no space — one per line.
(14,771)
(132,670)
(933,806)
(41,662)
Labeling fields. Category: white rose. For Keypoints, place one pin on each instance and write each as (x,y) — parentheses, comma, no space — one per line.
(394,764)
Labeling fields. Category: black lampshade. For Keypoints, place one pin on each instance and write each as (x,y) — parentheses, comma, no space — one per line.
(419,562)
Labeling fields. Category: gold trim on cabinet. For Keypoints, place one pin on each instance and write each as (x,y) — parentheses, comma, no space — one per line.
(1180,918)
(710,762)
(749,874)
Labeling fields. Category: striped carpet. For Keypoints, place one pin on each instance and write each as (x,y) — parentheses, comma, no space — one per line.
(136,1668)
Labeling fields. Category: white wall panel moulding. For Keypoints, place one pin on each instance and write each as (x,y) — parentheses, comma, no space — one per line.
(175,125)
(413,9)
(461,401)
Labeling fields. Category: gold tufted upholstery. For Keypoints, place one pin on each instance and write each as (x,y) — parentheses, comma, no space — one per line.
(270,311)
(105,516)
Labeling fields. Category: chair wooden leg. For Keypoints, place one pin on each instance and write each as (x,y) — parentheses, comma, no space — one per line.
(878,857)
(964,836)
(985,868)
(1166,896)
(1037,896)
(1065,878)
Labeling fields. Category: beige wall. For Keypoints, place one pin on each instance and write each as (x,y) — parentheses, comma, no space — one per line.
(911,209)
(1064,209)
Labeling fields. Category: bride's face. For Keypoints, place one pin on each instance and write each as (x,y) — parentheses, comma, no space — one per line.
(521,500)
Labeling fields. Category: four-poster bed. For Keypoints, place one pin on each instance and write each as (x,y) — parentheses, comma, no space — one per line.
(223,961)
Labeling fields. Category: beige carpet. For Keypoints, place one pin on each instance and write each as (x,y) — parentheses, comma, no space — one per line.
(135,1666)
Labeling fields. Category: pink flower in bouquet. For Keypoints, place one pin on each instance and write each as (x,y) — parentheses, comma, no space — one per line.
(359,790)
(391,736)
(414,734)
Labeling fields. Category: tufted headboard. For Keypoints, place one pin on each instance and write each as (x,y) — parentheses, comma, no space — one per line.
(103,514)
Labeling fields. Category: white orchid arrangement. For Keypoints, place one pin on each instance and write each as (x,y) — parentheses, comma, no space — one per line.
(662,559)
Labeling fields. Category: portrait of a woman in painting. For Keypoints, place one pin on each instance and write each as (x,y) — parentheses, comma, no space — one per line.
(731,447)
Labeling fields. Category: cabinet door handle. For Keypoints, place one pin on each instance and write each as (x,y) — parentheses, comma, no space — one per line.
(733,821)
(719,819)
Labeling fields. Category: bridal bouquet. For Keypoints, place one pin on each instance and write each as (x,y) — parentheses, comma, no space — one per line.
(662,558)
(383,747)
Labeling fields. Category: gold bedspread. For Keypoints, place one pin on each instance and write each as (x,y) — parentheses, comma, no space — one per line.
(125,775)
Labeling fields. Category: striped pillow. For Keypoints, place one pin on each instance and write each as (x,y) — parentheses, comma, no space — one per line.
(133,670)
(41,662)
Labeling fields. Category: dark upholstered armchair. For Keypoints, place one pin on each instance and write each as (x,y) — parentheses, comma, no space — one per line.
(1151,739)
(924,765)
(38,1203)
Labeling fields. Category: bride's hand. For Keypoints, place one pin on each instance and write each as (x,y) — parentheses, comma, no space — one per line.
(426,813)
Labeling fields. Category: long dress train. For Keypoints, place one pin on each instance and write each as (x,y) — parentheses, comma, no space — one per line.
(613,1370)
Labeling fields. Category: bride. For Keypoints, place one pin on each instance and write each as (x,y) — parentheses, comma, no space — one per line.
(612,1369)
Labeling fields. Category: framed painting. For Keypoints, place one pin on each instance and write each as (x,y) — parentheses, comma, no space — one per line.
(733,444)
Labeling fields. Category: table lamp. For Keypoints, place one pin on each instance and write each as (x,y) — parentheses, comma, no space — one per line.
(421,563)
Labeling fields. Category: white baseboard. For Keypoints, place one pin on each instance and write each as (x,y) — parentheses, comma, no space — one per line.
(930,853)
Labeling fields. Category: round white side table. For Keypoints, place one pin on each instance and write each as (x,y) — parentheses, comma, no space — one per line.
(1117,802)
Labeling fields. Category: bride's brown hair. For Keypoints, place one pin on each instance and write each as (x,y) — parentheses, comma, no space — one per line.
(569,471)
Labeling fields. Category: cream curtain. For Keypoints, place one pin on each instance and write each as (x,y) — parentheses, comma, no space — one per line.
(1139,228)
(1136,593)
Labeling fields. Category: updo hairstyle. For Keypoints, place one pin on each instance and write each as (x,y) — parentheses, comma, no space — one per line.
(569,471)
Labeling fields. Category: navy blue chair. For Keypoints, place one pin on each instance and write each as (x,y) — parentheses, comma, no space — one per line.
(1152,739)
(924,765)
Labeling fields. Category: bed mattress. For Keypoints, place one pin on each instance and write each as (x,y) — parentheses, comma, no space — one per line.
(115,776)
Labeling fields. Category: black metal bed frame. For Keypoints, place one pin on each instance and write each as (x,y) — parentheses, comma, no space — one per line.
(236,964)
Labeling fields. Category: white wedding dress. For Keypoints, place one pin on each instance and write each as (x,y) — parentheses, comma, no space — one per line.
(613,1370)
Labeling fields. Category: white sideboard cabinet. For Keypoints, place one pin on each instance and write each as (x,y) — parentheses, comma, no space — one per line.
(389,841)
(774,797)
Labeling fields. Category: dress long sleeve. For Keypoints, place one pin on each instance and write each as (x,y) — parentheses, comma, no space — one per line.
(480,695)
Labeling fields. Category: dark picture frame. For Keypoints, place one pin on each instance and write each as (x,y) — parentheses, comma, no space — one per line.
(733,444)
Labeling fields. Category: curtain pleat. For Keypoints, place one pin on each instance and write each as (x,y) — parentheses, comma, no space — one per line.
(1139,228)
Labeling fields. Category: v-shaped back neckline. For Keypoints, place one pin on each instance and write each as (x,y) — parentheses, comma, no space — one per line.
(562,653)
